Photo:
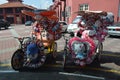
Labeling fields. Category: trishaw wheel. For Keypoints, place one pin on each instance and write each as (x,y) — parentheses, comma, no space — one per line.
(17,60)
(99,51)
(64,62)
(54,47)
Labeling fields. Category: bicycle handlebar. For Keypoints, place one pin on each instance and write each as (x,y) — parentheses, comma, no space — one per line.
(21,38)
(66,37)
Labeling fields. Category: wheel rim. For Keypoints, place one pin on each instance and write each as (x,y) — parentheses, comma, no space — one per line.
(16,64)
(54,49)
(17,61)
(100,49)
(64,59)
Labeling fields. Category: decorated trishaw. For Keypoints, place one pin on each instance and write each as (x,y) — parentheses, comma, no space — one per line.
(86,43)
(33,50)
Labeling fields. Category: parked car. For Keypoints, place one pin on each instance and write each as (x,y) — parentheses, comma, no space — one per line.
(4,24)
(28,23)
(74,25)
(64,26)
(114,30)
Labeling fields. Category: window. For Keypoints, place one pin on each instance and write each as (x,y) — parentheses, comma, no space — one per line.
(68,11)
(1,17)
(84,7)
(1,11)
(9,10)
(18,10)
(76,20)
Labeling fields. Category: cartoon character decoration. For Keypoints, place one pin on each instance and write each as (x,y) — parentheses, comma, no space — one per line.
(82,50)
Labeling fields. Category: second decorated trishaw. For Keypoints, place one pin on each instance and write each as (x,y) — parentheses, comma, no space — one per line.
(86,43)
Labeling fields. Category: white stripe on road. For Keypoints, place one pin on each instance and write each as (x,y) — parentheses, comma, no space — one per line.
(8,71)
(82,75)
(14,33)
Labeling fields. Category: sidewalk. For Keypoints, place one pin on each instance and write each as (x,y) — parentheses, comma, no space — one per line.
(8,44)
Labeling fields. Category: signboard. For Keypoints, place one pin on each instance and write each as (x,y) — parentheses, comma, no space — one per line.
(119,9)
(10,15)
(68,11)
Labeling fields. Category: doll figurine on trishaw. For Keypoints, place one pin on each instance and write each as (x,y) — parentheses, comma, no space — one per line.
(45,31)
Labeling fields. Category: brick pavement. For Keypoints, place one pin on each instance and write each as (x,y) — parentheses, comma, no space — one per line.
(8,44)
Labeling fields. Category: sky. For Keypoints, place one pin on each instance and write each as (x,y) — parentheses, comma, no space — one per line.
(40,4)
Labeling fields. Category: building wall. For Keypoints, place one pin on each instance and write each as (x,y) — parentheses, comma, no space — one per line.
(95,5)
(106,5)
(59,7)
(14,17)
(99,5)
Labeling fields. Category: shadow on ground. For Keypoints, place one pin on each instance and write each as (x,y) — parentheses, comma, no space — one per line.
(94,69)
(51,68)
(110,57)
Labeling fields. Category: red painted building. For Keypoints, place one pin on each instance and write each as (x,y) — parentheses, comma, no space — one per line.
(59,6)
(69,7)
(11,11)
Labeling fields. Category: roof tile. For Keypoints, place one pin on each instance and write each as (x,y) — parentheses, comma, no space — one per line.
(15,4)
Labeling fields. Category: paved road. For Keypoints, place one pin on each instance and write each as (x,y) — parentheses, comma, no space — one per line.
(109,67)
